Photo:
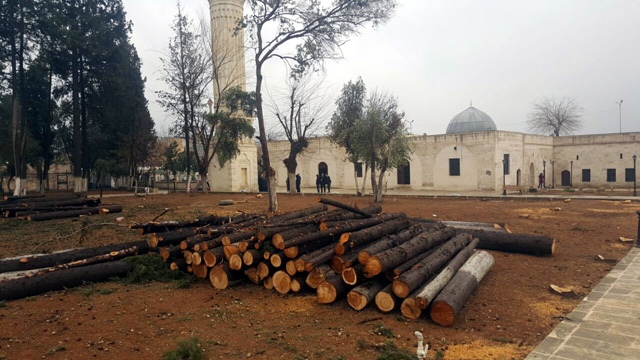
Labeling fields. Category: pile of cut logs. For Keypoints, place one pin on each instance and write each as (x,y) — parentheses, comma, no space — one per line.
(39,207)
(361,254)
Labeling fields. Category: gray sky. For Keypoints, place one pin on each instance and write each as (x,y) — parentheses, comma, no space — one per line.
(437,56)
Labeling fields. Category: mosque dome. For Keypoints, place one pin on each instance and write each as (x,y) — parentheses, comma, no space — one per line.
(471,120)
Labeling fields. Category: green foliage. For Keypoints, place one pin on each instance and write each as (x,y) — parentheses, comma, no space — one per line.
(350,109)
(149,268)
(389,351)
(188,349)
(383,331)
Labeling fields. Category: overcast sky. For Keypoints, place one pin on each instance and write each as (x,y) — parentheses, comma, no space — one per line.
(437,56)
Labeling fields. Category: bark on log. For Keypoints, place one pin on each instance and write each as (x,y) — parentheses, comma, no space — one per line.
(339,263)
(302,260)
(51,260)
(391,274)
(344,206)
(408,282)
(113,209)
(178,265)
(394,240)
(393,257)
(237,236)
(29,286)
(159,227)
(73,213)
(49,204)
(385,300)
(113,255)
(362,295)
(515,243)
(169,238)
(281,237)
(352,225)
(412,306)
(352,239)
(318,275)
(447,305)
(230,250)
(320,258)
(264,269)
(331,289)
(298,214)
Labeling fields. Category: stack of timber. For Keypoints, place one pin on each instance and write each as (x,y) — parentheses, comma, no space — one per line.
(362,255)
(419,267)
(40,208)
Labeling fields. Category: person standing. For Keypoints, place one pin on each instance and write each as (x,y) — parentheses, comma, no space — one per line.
(323,184)
(541,181)
(328,181)
(318,183)
(298,181)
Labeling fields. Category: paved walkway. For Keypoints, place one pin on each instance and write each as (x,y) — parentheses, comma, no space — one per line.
(606,324)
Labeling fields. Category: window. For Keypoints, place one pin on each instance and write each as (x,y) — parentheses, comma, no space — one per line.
(629,174)
(505,164)
(454,167)
(404,175)
(358,169)
(611,175)
(586,175)
(577,157)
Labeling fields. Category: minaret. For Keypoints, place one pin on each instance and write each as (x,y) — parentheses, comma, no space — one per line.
(228,44)
(241,173)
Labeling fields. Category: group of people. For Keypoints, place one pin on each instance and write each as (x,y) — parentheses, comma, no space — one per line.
(323,183)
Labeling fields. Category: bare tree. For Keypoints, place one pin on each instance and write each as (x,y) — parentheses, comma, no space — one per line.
(301,118)
(302,34)
(555,116)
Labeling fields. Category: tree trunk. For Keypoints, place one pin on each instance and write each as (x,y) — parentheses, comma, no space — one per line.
(363,295)
(221,277)
(353,275)
(282,237)
(393,257)
(318,275)
(173,237)
(74,213)
(394,240)
(52,260)
(58,280)
(352,239)
(515,243)
(251,257)
(446,307)
(345,207)
(385,300)
(281,282)
(352,225)
(406,283)
(331,289)
(412,306)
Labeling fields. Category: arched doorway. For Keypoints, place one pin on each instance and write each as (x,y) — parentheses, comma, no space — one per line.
(518,177)
(566,178)
(323,168)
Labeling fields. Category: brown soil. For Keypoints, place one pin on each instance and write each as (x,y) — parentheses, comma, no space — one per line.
(510,313)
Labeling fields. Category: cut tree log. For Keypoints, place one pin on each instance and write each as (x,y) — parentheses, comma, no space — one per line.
(281,237)
(277,259)
(362,295)
(344,206)
(395,256)
(169,238)
(31,262)
(352,239)
(159,227)
(209,258)
(290,267)
(281,282)
(252,274)
(73,213)
(251,257)
(409,281)
(113,255)
(235,261)
(200,270)
(221,277)
(385,300)
(268,283)
(351,225)
(413,305)
(447,305)
(353,275)
(331,289)
(318,275)
(301,262)
(393,240)
(406,266)
(30,286)
(515,243)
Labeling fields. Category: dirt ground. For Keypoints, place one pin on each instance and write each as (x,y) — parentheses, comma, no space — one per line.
(508,315)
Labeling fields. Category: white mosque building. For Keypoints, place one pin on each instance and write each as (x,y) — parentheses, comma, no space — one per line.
(473,155)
